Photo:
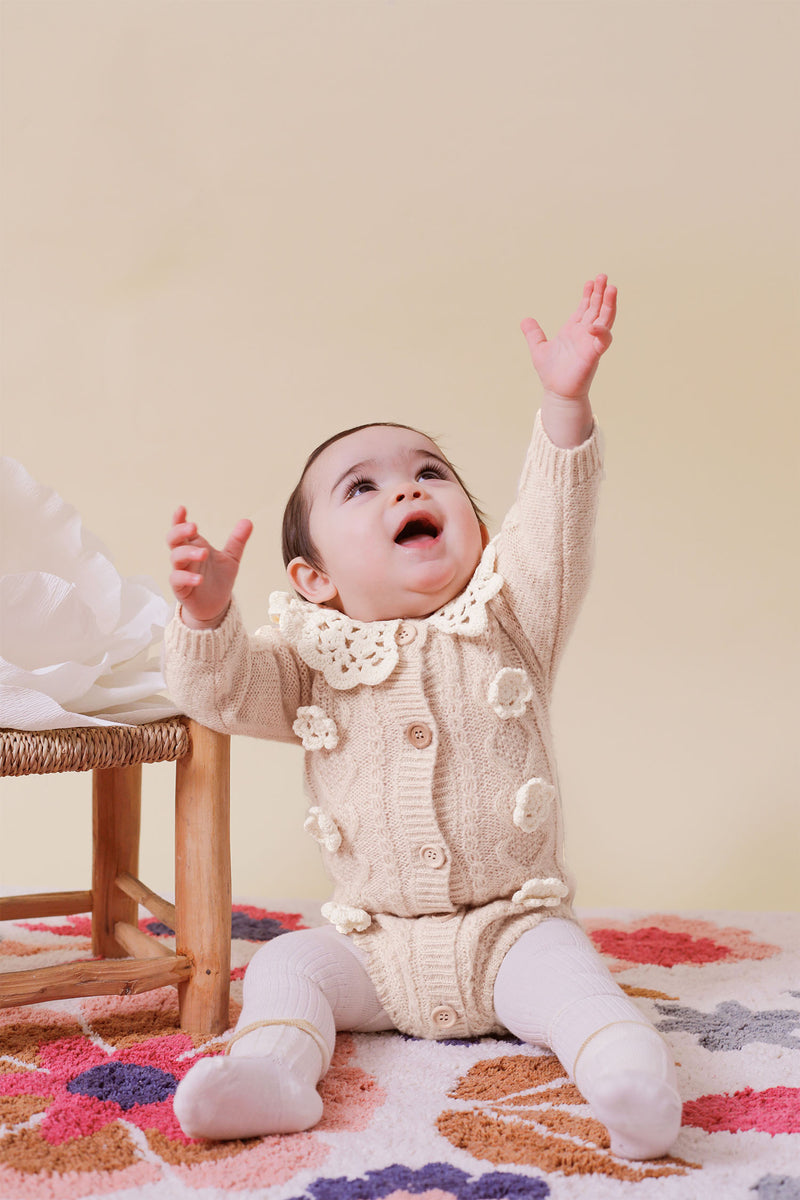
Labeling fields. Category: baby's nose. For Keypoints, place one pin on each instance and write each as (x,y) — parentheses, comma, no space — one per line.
(412,492)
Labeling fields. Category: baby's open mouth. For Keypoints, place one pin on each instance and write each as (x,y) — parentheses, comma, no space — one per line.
(415,531)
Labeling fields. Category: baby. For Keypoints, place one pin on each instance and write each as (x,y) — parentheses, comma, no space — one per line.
(415,663)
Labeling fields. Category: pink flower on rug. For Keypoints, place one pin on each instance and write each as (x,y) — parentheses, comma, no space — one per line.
(80,926)
(668,941)
(91,1088)
(776,1110)
(81,1089)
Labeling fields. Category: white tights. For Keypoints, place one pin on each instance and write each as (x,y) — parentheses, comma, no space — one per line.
(552,989)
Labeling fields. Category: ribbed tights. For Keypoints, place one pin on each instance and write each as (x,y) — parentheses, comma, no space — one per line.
(552,990)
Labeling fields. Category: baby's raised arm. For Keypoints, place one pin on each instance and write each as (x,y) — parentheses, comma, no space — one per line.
(202,577)
(566,364)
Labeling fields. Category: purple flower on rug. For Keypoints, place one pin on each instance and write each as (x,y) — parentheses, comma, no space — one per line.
(90,1088)
(466,1041)
(448,1182)
(777,1187)
(86,1105)
(248,923)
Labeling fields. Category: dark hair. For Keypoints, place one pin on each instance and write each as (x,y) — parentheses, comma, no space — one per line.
(296,535)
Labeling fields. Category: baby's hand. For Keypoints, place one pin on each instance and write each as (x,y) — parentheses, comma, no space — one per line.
(567,363)
(202,578)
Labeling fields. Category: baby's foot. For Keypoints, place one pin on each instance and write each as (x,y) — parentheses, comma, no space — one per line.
(228,1097)
(642,1113)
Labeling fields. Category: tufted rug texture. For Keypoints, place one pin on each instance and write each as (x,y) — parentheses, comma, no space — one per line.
(86,1086)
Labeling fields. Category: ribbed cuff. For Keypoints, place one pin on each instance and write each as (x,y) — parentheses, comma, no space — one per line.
(203,645)
(562,466)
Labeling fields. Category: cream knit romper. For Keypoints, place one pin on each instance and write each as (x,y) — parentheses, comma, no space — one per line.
(429,755)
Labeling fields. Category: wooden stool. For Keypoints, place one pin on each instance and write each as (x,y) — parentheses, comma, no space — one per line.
(201,916)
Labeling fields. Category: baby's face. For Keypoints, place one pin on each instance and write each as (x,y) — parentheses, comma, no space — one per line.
(396,532)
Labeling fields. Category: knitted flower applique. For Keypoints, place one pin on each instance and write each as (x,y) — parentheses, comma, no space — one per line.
(532,804)
(509,692)
(541,893)
(345,918)
(315,730)
(323,829)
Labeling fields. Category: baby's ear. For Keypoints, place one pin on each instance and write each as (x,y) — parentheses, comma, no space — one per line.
(311,583)
(485,539)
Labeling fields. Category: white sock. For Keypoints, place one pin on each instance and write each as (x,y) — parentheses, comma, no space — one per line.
(627,1076)
(553,989)
(268,1083)
(228,1097)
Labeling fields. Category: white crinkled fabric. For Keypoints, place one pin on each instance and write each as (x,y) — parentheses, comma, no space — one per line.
(76,638)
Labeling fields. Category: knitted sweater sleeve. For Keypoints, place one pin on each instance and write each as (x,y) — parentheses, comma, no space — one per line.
(545,545)
(228,681)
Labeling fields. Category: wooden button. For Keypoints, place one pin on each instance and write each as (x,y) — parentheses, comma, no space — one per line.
(444,1017)
(419,735)
(433,856)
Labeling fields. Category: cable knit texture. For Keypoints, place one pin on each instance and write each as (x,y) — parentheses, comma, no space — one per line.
(429,755)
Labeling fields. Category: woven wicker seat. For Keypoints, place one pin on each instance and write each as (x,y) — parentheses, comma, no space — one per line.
(132,961)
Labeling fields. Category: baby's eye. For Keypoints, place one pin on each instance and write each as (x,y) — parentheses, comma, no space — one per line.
(432,471)
(358,487)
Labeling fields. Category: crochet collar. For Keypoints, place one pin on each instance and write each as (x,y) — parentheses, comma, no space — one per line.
(349,653)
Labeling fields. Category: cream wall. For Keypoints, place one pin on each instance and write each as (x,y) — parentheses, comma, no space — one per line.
(231,228)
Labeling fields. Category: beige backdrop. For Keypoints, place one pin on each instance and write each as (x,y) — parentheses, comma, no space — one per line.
(232,227)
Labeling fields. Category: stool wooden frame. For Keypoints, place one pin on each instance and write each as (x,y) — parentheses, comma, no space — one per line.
(132,961)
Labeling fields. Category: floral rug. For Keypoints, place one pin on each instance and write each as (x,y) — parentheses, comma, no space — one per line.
(86,1086)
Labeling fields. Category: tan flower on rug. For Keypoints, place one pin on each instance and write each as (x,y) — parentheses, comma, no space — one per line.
(523,1109)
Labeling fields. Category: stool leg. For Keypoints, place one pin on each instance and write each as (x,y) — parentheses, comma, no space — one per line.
(203,879)
(116,818)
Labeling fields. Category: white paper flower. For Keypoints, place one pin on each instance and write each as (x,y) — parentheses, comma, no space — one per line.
(315,730)
(345,918)
(532,804)
(75,636)
(323,829)
(541,893)
(510,692)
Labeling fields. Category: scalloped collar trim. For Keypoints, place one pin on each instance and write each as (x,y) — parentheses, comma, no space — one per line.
(348,653)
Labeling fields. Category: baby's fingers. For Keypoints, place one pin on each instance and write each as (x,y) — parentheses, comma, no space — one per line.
(608,308)
(180,532)
(586,299)
(595,304)
(238,540)
(184,555)
(183,583)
